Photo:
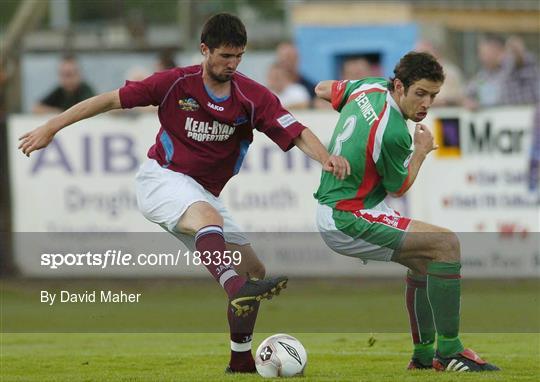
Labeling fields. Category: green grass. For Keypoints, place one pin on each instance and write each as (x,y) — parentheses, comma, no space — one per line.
(178,331)
(202,357)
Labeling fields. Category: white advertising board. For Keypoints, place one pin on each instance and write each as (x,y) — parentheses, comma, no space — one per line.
(477,180)
(84,182)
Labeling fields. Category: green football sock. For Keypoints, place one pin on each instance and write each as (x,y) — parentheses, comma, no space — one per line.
(444,294)
(420,318)
(424,353)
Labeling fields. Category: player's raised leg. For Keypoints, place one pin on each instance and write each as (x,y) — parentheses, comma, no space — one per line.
(250,266)
(245,284)
(440,248)
(206,224)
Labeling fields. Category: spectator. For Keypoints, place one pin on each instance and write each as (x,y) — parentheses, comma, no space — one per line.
(534,162)
(3,93)
(137,73)
(355,68)
(165,60)
(485,88)
(287,55)
(524,78)
(509,75)
(291,95)
(452,91)
(352,68)
(70,91)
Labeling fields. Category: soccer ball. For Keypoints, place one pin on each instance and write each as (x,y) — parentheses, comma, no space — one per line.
(280,355)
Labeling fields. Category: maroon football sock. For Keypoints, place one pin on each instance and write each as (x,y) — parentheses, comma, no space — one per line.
(209,242)
(241,329)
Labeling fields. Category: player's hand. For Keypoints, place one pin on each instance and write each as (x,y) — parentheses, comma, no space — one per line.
(338,166)
(35,139)
(423,140)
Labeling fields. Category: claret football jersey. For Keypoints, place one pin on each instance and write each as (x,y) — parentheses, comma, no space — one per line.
(203,136)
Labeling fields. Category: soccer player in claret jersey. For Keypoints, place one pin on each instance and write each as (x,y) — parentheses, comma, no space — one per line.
(207,114)
(355,221)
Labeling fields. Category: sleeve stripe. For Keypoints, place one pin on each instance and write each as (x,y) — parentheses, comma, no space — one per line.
(405,183)
(338,90)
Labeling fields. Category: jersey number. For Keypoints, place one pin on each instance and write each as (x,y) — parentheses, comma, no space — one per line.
(348,129)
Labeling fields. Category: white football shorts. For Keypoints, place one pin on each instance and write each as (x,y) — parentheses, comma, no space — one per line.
(164,195)
(368,234)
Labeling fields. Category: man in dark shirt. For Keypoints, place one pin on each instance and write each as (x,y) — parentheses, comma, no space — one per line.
(207,113)
(69,92)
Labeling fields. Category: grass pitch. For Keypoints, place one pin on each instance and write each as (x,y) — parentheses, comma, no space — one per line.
(203,357)
(504,314)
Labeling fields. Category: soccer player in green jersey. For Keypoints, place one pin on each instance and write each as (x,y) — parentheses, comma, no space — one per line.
(355,221)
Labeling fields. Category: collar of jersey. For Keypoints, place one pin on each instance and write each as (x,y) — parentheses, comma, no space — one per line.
(215,98)
(392,102)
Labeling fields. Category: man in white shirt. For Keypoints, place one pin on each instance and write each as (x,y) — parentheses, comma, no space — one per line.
(291,95)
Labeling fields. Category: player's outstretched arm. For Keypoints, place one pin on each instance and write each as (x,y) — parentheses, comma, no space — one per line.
(423,145)
(43,135)
(312,147)
(324,90)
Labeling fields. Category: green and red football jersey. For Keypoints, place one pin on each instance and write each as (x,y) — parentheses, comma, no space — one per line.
(372,134)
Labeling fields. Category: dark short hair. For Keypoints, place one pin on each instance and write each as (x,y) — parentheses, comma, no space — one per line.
(224,29)
(416,66)
(492,38)
(69,57)
(166,59)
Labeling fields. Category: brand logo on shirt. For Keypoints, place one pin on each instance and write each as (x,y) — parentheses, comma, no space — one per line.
(391,220)
(286,120)
(240,120)
(215,107)
(188,104)
(203,131)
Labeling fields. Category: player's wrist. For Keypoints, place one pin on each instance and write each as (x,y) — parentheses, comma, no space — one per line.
(421,153)
(324,159)
(52,127)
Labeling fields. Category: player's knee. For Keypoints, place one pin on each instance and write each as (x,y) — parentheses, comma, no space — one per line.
(456,248)
(450,248)
(211,217)
(419,267)
(197,216)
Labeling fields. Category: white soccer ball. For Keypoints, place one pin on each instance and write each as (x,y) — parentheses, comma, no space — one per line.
(280,355)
